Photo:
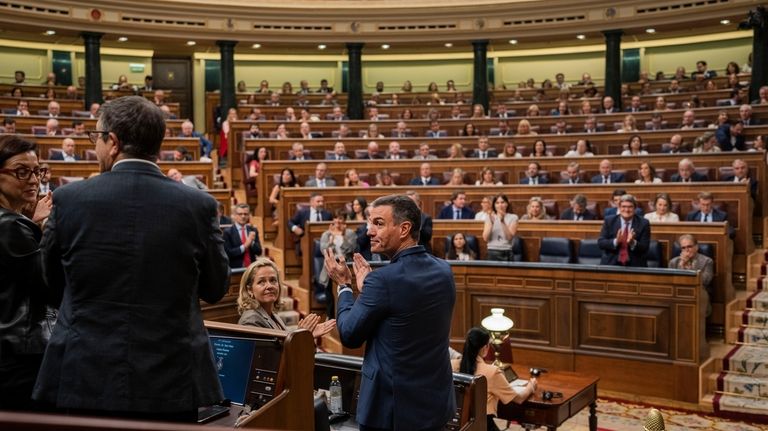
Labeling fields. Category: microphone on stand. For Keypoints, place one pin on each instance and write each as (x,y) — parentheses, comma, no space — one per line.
(654,421)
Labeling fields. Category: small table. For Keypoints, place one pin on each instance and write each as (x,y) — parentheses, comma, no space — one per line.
(578,391)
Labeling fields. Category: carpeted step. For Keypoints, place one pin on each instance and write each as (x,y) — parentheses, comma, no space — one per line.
(743,384)
(755,336)
(758,301)
(751,360)
(735,403)
(755,318)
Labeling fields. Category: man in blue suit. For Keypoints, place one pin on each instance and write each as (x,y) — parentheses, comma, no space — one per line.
(425,177)
(731,137)
(707,213)
(457,210)
(606,175)
(188,131)
(625,237)
(686,173)
(403,315)
(241,240)
(315,212)
(533,176)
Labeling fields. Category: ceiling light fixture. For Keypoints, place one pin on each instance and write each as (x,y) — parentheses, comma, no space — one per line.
(256,46)
(321,46)
(513,41)
(191,43)
(725,21)
(385,46)
(448,45)
(580,37)
(122,39)
(650,30)
(50,32)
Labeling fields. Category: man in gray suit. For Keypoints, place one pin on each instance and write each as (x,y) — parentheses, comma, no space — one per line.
(131,253)
(320,180)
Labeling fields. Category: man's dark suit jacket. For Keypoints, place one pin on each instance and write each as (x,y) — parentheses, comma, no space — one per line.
(695,177)
(723,136)
(302,217)
(368,157)
(447,213)
(333,157)
(717,215)
(669,151)
(637,255)
(568,181)
(403,316)
(491,154)
(752,184)
(542,180)
(132,253)
(433,181)
(616,177)
(232,243)
(568,215)
(60,156)
(425,233)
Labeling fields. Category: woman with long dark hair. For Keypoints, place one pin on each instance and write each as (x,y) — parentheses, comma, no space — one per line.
(476,347)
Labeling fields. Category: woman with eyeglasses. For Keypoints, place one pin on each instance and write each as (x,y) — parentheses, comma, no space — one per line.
(22,286)
(259,300)
(476,347)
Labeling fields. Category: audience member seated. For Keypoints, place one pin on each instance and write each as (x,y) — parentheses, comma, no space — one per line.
(67,152)
(625,237)
(499,230)
(572,174)
(675,145)
(608,106)
(483,151)
(533,176)
(524,128)
(476,347)
(540,150)
(731,137)
(702,72)
(456,151)
(384,179)
(254,162)
(485,208)
(188,131)
(52,127)
(634,105)
(424,153)
(281,132)
(46,186)
(122,84)
(689,120)
(692,260)
(535,210)
(487,178)
(458,249)
(297,153)
(469,129)
(657,122)
(583,149)
(662,212)
(22,109)
(635,147)
(401,130)
(578,210)
(259,301)
(606,175)
(457,209)
(372,152)
(647,174)
(395,153)
(615,201)
(706,143)
(686,173)
(9,126)
(510,151)
(706,213)
(339,152)
(241,240)
(352,179)
(457,177)
(342,240)
(745,116)
(320,180)
(590,124)
(187,180)
(741,175)
(425,177)
(629,124)
(357,212)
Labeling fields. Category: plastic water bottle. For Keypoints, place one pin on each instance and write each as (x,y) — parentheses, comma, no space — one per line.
(335,390)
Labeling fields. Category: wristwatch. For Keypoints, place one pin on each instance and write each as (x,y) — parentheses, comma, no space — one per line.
(342,288)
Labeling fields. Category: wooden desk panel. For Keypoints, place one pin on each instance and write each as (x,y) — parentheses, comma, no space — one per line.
(86,169)
(82,143)
(24,124)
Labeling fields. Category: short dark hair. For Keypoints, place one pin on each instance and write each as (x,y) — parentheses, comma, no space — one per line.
(12,145)
(20,72)
(456,194)
(138,124)
(403,209)
(76,123)
(619,192)
(9,120)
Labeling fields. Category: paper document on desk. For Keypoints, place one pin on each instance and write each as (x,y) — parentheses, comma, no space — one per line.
(518,385)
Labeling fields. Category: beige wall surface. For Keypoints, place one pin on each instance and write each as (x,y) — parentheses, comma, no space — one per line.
(716,53)
(34,62)
(112,66)
(419,72)
(512,70)
(293,71)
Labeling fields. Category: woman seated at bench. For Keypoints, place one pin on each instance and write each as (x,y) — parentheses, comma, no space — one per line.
(476,347)
(259,300)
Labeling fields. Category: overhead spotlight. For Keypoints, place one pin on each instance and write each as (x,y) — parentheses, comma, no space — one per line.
(191,43)
(580,37)
(448,45)
(385,46)
(122,39)
(256,46)
(321,46)
(650,30)
(513,41)
(50,32)
(725,21)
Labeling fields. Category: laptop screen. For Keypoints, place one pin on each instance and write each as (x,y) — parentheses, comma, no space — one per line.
(233,358)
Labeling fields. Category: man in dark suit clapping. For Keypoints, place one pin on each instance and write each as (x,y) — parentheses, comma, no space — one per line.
(403,315)
(132,253)
(625,237)
(241,240)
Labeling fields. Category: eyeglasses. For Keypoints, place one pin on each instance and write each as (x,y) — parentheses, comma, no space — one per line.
(24,174)
(686,247)
(93,135)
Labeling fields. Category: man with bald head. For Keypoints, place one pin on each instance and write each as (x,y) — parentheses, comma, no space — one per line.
(686,173)
(606,175)
(373,151)
(188,131)
(67,153)
(425,177)
(741,175)
(320,179)
(54,109)
(676,145)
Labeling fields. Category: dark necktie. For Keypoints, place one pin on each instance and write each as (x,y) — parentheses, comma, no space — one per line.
(706,218)
(247,254)
(456,215)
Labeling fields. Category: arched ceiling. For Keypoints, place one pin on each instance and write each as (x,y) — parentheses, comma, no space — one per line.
(406,25)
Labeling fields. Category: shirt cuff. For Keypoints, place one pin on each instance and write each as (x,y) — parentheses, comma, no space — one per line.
(343,288)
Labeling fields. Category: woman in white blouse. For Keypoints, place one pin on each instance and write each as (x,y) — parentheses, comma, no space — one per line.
(635,147)
(663,210)
(487,178)
(499,230)
(583,149)
(647,174)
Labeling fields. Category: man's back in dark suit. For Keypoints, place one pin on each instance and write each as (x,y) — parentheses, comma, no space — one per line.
(132,252)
